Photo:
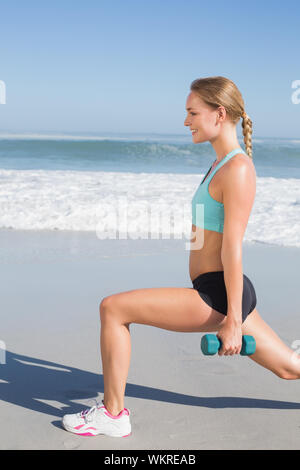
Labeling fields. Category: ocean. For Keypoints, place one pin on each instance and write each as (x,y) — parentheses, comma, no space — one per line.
(117,184)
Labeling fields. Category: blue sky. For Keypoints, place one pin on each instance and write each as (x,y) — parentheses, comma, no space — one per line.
(127,65)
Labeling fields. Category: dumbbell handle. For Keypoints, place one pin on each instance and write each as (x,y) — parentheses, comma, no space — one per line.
(210,345)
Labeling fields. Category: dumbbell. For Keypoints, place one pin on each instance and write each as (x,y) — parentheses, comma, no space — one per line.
(210,345)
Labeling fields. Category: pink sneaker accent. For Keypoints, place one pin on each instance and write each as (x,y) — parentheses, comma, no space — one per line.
(79,426)
(122,413)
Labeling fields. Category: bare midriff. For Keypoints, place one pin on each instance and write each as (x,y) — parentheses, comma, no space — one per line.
(207,258)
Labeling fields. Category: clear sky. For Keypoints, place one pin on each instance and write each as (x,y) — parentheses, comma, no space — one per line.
(127,65)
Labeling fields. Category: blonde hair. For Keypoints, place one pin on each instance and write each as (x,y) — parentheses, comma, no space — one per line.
(220,91)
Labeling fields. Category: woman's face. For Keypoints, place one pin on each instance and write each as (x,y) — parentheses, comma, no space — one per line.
(202,119)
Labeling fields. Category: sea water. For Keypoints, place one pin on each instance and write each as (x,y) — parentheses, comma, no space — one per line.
(115,185)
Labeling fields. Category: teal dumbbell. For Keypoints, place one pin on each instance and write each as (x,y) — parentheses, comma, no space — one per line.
(210,345)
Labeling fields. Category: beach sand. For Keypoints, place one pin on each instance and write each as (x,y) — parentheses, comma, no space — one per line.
(52,285)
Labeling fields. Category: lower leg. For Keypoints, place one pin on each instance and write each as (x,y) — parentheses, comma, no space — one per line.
(115,353)
(271,352)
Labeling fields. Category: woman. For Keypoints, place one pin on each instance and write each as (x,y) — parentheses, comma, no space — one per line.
(222,298)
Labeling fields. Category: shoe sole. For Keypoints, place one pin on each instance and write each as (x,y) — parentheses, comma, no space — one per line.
(76,431)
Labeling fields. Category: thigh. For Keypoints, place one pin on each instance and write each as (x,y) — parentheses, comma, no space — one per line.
(170,308)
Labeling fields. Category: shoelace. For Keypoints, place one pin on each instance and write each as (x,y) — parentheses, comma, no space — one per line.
(87,414)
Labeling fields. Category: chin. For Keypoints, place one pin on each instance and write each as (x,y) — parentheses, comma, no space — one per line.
(199,140)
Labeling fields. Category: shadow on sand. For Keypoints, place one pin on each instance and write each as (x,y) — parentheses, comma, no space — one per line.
(30,383)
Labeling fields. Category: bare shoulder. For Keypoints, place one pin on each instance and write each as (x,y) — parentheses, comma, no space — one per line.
(239,174)
(240,159)
(240,166)
(238,194)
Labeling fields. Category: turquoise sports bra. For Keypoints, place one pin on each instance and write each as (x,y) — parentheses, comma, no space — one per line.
(210,213)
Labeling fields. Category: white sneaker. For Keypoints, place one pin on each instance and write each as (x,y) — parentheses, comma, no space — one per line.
(98,420)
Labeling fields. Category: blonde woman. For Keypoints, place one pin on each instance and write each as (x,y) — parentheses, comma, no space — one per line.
(222,298)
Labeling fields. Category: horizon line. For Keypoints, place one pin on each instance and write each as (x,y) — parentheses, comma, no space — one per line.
(82,135)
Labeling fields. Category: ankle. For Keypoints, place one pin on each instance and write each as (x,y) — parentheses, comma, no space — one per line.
(113,409)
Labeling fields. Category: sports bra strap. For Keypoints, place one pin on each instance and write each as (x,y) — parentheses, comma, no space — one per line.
(223,161)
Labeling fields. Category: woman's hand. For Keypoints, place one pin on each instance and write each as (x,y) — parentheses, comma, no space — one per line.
(230,335)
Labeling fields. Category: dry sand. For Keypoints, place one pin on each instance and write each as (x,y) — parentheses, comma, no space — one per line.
(52,284)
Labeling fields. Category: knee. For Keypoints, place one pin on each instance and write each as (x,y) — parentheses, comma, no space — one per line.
(112,308)
(106,306)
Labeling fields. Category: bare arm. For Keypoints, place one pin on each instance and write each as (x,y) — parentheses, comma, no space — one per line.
(239,186)
(238,197)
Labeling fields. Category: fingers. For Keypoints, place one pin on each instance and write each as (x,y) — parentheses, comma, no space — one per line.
(229,347)
(227,350)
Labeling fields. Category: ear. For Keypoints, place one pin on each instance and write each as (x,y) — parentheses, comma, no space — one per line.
(221,113)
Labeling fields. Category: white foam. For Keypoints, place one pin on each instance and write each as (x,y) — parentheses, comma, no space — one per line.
(99,201)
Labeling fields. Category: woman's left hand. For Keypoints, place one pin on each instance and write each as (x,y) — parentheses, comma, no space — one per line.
(230,335)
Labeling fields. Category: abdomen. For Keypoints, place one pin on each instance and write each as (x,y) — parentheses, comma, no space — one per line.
(205,252)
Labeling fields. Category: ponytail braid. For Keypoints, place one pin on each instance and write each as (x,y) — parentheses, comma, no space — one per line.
(247,133)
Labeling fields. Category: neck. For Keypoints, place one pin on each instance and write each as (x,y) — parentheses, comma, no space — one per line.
(223,144)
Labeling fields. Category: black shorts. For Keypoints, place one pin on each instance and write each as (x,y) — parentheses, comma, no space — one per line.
(212,289)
